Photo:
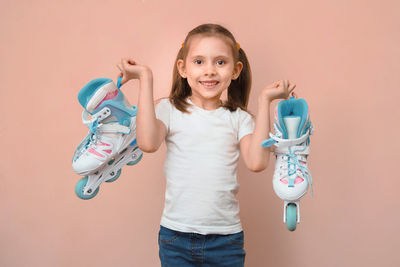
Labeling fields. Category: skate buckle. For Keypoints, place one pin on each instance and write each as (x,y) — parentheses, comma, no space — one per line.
(268,142)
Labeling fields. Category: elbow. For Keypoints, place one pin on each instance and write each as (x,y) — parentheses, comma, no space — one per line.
(260,165)
(258,168)
(146,148)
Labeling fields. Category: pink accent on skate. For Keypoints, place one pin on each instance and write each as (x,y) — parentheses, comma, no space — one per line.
(110,95)
(284,180)
(296,181)
(107,151)
(103,144)
(91,150)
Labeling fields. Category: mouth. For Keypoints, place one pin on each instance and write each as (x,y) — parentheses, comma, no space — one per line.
(209,84)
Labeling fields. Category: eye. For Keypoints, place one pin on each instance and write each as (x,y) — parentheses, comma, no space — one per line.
(197,60)
(221,61)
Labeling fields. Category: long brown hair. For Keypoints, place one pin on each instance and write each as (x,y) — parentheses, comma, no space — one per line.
(238,90)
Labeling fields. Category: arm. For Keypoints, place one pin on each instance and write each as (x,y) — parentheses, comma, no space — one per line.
(150,132)
(255,156)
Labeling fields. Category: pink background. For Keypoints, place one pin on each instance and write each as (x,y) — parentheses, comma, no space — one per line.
(344,57)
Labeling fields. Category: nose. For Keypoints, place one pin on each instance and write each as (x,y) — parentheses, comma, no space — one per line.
(210,69)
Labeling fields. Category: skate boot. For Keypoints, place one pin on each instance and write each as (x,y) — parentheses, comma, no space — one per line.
(111,141)
(291,179)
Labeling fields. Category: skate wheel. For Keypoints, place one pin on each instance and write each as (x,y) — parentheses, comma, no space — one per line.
(135,161)
(80,185)
(115,177)
(291,216)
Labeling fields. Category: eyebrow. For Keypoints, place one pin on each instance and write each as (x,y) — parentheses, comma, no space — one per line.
(223,56)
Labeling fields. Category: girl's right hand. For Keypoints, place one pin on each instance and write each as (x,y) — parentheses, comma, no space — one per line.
(130,70)
(279,90)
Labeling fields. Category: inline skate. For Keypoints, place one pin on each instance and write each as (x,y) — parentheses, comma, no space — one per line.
(292,177)
(111,141)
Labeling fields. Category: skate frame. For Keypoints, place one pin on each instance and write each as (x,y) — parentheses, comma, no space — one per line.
(297,203)
(111,168)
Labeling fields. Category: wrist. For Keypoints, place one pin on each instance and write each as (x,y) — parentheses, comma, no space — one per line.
(146,73)
(264,99)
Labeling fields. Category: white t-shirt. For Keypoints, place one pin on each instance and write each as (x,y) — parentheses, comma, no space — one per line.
(201,167)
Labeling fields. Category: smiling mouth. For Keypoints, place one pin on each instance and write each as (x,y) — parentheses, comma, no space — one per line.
(209,85)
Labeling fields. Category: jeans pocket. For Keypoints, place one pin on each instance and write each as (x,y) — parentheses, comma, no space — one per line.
(167,236)
(236,239)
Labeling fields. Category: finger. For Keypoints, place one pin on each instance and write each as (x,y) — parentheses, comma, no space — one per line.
(123,61)
(129,60)
(119,66)
(282,85)
(291,87)
(274,84)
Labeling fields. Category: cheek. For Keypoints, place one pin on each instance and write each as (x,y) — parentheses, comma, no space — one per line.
(227,76)
(193,74)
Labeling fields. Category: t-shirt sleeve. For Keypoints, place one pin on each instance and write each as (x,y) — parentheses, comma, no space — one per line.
(163,110)
(246,124)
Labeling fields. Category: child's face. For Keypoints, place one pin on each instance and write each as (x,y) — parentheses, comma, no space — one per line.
(209,59)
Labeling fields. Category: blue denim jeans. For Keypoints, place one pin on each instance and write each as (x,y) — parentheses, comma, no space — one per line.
(178,249)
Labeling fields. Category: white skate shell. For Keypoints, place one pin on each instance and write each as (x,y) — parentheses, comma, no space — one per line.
(292,177)
(111,141)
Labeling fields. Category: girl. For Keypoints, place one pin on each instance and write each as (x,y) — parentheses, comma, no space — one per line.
(200,225)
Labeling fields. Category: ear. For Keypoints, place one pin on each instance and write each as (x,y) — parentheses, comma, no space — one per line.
(236,71)
(181,68)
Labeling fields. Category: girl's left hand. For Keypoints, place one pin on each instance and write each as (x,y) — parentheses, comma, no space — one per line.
(278,90)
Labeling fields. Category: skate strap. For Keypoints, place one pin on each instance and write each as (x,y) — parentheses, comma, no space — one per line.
(284,157)
(279,142)
(114,128)
(99,116)
(300,150)
(93,124)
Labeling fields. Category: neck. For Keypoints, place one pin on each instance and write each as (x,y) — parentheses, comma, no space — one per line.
(210,104)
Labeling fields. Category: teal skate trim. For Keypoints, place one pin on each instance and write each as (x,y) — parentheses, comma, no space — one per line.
(87,92)
(119,82)
(133,143)
(134,110)
(289,108)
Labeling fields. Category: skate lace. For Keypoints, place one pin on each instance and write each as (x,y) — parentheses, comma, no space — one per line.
(93,127)
(294,162)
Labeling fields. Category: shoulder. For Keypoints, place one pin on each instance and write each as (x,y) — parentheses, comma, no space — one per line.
(162,100)
(243,114)
(163,104)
